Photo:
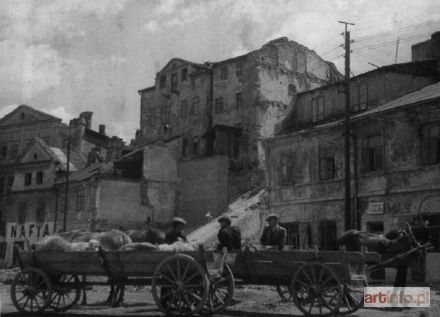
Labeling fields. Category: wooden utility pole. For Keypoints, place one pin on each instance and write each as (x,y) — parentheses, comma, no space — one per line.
(348,219)
(397,50)
(66,195)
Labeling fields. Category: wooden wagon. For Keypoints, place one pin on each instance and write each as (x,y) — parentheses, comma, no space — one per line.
(182,283)
(318,282)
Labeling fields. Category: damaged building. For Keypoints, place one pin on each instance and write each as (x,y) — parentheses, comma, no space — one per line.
(394,156)
(213,116)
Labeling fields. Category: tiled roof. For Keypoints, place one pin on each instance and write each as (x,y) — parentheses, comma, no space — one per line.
(81,174)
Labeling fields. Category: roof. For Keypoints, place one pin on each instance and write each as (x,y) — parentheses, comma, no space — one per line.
(427,93)
(146,89)
(81,174)
(43,115)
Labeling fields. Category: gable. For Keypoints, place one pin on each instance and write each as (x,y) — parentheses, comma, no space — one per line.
(35,153)
(177,63)
(26,114)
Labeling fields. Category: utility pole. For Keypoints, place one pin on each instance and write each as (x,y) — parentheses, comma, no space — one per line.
(66,195)
(397,50)
(348,219)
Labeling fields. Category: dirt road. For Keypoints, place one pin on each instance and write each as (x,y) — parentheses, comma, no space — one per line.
(248,301)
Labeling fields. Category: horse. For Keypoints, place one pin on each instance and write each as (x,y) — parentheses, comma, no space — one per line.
(390,245)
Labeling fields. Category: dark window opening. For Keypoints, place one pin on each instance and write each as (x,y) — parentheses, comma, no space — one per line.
(163,81)
(291,90)
(39,177)
(238,69)
(287,168)
(22,116)
(80,198)
(326,164)
(238,100)
(430,140)
(2,184)
(10,182)
(174,82)
(373,154)
(327,235)
(22,209)
(195,106)
(318,111)
(184,146)
(184,109)
(27,179)
(2,222)
(41,211)
(196,141)
(292,237)
(359,97)
(3,152)
(165,114)
(219,105)
(14,150)
(236,145)
(184,74)
(224,73)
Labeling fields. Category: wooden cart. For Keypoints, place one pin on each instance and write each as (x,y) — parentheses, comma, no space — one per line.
(318,282)
(182,283)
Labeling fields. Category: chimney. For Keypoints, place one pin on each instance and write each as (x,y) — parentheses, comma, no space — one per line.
(87,115)
(102,129)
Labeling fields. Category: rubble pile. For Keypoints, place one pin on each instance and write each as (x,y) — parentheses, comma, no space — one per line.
(247,213)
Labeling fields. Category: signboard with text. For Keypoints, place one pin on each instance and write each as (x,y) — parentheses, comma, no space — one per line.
(28,230)
(375,208)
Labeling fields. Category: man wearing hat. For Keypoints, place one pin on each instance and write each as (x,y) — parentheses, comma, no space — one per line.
(178,224)
(273,235)
(228,236)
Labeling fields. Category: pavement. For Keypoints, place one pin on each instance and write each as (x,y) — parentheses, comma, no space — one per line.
(248,301)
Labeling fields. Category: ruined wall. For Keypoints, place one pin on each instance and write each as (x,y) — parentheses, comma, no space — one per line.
(203,188)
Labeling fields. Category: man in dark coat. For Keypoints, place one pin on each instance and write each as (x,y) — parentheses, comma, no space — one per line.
(176,233)
(273,235)
(228,236)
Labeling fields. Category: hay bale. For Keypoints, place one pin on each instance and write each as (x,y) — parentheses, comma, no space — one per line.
(178,246)
(138,246)
(58,244)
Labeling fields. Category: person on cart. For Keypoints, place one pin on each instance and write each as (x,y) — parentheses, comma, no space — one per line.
(274,236)
(178,225)
(228,236)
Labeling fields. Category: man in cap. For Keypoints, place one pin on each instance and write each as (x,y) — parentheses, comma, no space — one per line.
(178,224)
(228,236)
(273,235)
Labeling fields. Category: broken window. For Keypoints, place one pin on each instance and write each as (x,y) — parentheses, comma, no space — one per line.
(41,211)
(326,164)
(238,69)
(39,177)
(3,152)
(318,113)
(287,168)
(80,198)
(27,179)
(218,105)
(431,143)
(195,106)
(163,81)
(184,75)
(292,237)
(238,100)
(373,153)
(174,82)
(184,109)
(224,73)
(327,235)
(359,96)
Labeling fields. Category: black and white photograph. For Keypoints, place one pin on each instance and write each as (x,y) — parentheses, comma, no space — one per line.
(220,158)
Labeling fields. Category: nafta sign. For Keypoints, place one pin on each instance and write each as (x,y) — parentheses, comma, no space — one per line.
(29,230)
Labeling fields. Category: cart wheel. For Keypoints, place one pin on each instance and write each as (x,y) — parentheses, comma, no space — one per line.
(31,291)
(65,295)
(285,292)
(179,285)
(316,289)
(221,290)
(352,295)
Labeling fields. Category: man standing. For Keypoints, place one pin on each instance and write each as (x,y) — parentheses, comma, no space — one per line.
(228,236)
(176,232)
(274,235)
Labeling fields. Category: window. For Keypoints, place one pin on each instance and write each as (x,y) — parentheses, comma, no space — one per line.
(184,108)
(165,114)
(163,81)
(80,196)
(27,179)
(318,109)
(39,177)
(224,73)
(22,116)
(2,184)
(238,100)
(22,209)
(286,168)
(41,211)
(218,105)
(291,90)
(2,222)
(326,164)
(236,145)
(184,146)
(196,141)
(174,82)
(327,235)
(292,238)
(238,69)
(10,182)
(373,154)
(184,74)
(14,151)
(430,146)
(359,95)
(3,246)
(62,201)
(195,106)
(3,152)
(193,82)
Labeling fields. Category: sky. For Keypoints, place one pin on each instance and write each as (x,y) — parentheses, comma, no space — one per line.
(68,56)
